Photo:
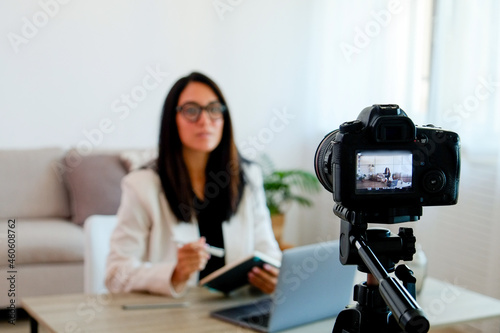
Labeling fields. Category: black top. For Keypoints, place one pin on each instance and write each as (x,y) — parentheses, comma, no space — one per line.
(211,213)
(211,229)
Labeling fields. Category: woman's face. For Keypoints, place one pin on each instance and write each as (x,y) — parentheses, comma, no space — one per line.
(205,134)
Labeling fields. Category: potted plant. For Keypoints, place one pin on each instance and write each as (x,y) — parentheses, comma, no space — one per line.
(283,188)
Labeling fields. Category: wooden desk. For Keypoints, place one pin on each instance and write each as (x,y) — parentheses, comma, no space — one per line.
(444,304)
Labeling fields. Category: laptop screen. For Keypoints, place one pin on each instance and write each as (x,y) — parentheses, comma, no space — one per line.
(312,285)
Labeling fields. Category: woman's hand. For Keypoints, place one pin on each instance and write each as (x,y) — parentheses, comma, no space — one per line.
(191,257)
(264,278)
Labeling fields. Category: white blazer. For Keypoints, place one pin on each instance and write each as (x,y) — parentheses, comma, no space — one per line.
(143,254)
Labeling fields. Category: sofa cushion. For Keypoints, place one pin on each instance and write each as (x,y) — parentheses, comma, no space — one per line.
(93,184)
(40,241)
(32,185)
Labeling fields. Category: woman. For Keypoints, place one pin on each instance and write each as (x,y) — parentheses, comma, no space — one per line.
(199,192)
(387,173)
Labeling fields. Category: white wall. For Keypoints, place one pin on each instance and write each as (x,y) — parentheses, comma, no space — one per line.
(64,80)
(68,67)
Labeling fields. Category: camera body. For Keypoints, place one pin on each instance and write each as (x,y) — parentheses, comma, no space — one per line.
(383,161)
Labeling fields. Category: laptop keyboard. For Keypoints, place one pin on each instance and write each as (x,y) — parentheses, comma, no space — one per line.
(257,313)
(261,319)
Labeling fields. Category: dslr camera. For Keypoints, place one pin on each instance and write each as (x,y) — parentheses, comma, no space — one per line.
(386,167)
(381,168)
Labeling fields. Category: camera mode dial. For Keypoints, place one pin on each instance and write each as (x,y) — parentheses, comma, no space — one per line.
(351,126)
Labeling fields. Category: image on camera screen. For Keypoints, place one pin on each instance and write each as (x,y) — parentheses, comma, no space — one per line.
(383,171)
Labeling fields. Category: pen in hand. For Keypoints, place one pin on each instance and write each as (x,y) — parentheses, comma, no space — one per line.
(213,250)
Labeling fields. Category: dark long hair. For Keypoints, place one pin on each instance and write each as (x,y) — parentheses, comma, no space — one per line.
(224,176)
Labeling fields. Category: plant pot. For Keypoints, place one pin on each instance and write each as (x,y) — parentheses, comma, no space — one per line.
(278,221)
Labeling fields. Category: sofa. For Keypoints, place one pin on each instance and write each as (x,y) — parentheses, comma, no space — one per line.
(46,195)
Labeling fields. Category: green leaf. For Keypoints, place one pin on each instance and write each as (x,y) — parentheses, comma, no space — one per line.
(287,186)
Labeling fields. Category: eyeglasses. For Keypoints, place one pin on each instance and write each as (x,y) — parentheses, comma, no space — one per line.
(192,111)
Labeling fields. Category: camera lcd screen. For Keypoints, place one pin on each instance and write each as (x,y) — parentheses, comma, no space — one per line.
(384,172)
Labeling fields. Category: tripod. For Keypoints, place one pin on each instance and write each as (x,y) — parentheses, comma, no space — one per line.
(384,306)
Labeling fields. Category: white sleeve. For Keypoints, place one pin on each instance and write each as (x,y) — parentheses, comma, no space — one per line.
(127,267)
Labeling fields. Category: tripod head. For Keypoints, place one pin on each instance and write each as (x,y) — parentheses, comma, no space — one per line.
(389,248)
(376,252)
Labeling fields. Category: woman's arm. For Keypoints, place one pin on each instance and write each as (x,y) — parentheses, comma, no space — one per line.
(129,267)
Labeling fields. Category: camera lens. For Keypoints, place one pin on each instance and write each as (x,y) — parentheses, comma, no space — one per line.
(434,181)
(323,161)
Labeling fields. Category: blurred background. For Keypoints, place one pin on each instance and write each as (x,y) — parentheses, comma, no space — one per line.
(292,71)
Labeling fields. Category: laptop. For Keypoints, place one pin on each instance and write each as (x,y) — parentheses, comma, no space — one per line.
(312,285)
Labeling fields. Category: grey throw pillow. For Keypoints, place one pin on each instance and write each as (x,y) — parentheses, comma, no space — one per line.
(94,184)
